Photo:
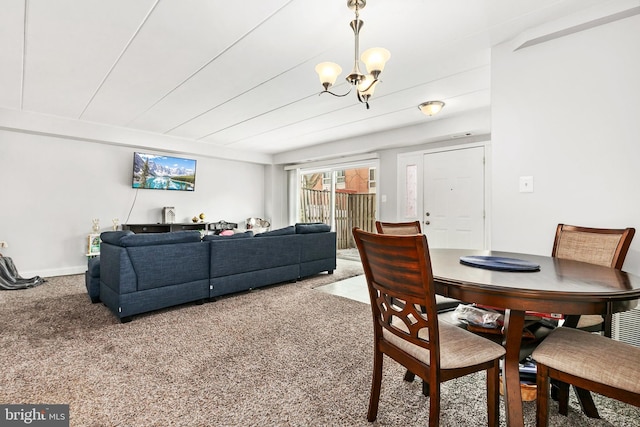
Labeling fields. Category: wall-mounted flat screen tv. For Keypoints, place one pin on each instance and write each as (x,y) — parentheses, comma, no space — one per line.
(158,172)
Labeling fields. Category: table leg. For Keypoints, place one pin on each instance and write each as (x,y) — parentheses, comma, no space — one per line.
(608,321)
(513,324)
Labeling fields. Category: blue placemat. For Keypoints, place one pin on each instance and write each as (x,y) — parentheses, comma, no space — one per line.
(499,263)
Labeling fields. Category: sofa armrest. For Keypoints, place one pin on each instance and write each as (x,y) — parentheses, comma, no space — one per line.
(116,271)
(316,246)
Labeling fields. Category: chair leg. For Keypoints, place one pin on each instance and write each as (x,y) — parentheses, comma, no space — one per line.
(376,383)
(563,398)
(409,376)
(434,404)
(493,401)
(542,396)
(425,388)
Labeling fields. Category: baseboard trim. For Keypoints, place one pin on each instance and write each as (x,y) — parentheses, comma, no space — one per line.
(66,271)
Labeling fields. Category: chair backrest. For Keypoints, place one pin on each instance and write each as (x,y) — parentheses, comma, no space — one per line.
(398,228)
(400,283)
(601,246)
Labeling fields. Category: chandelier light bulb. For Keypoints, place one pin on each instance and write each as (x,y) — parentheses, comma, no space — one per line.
(375,59)
(328,72)
(367,86)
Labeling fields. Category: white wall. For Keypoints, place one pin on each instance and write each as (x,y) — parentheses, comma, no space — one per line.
(567,112)
(53,187)
(276,196)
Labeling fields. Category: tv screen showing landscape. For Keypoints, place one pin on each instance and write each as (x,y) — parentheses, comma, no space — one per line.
(163,172)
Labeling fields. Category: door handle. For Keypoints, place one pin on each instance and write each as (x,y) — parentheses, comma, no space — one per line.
(427,222)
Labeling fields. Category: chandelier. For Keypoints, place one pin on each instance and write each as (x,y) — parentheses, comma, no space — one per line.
(373,58)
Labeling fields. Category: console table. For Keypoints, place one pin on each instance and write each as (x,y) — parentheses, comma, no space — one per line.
(165,228)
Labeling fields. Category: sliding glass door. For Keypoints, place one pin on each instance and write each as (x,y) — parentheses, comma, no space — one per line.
(341,196)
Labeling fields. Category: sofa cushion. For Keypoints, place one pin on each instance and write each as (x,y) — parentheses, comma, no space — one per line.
(312,227)
(113,237)
(227,237)
(231,257)
(279,232)
(151,239)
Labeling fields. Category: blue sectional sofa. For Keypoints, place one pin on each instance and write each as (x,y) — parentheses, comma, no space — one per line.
(139,273)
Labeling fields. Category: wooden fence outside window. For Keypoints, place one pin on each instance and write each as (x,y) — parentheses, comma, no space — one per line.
(352,210)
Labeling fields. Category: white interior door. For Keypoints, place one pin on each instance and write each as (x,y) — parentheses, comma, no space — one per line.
(454,211)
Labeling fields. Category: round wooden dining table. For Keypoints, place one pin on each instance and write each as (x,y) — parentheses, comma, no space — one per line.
(559,286)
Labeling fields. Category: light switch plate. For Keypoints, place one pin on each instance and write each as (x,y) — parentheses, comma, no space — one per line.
(526,184)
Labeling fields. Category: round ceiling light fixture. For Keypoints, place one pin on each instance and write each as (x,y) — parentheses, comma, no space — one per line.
(431,107)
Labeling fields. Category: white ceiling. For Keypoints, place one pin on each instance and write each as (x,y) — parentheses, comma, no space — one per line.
(240,74)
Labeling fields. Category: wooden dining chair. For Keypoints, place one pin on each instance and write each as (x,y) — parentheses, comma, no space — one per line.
(588,361)
(442,303)
(601,246)
(400,284)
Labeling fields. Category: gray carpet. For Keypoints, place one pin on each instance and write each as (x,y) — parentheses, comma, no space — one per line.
(286,355)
